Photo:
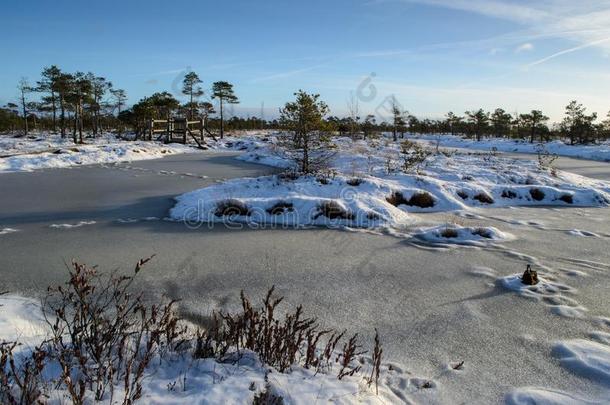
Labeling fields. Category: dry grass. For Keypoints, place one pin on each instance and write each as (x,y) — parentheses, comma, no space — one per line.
(462,194)
(333,210)
(280,207)
(509,194)
(482,232)
(421,199)
(484,198)
(537,194)
(449,233)
(231,207)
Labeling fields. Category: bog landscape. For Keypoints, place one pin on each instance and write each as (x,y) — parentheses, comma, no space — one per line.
(370,212)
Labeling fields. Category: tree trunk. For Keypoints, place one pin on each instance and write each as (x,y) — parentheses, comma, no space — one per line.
(305,167)
(222,126)
(62,116)
(54,108)
(25,113)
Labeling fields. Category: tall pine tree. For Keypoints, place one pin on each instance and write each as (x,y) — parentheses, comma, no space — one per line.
(191,88)
(223,91)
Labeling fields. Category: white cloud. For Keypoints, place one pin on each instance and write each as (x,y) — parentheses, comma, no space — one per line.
(586,22)
(526,47)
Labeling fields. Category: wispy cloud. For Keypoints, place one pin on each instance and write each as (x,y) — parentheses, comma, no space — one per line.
(585,22)
(569,50)
(526,47)
(285,74)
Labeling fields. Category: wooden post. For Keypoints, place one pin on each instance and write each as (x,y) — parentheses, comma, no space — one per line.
(186,128)
(170,129)
(151,128)
(201,123)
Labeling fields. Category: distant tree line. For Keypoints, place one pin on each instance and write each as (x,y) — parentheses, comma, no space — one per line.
(577,126)
(74,103)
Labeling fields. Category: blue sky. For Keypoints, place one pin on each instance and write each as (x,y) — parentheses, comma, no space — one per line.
(432,55)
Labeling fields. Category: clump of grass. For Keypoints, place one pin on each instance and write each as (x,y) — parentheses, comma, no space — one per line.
(333,210)
(462,194)
(354,182)
(509,194)
(231,207)
(484,198)
(396,199)
(449,233)
(537,194)
(289,175)
(483,233)
(280,207)
(420,199)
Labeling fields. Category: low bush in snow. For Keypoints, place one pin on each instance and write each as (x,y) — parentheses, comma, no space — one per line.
(103,338)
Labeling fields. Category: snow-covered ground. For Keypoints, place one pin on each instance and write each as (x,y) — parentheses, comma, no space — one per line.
(178,378)
(51,151)
(591,152)
(366,187)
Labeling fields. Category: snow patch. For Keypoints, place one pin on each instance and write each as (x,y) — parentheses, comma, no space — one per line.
(51,151)
(459,235)
(585,357)
(543,396)
(70,226)
(6,231)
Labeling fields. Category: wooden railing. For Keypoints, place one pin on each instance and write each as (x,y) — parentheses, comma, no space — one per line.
(178,130)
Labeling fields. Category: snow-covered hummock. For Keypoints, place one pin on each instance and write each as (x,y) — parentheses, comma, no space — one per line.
(359,184)
(591,152)
(178,379)
(542,396)
(459,235)
(51,151)
(586,358)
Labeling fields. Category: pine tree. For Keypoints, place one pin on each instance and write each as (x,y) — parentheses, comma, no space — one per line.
(48,84)
(368,125)
(577,124)
(304,117)
(454,122)
(501,120)
(191,88)
(24,88)
(223,91)
(120,97)
(398,121)
(63,87)
(479,121)
(534,122)
(99,87)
